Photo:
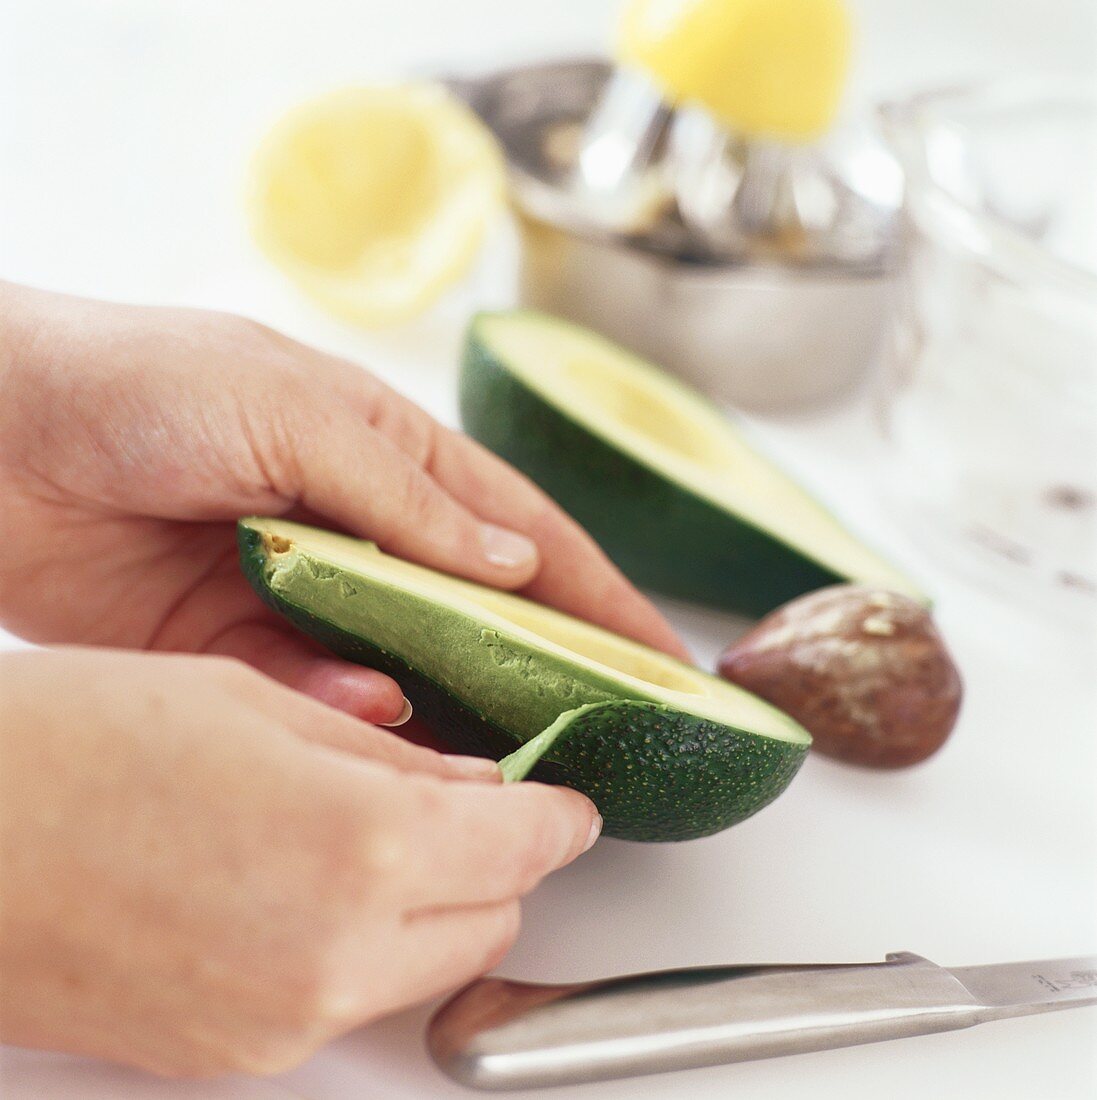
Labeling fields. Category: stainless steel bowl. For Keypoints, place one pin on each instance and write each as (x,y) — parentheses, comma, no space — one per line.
(763,330)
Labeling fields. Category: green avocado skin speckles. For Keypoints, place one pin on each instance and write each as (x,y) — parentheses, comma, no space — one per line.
(655,773)
(659,774)
(660,534)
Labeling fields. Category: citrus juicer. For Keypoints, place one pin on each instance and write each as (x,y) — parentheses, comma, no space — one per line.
(683,202)
(707,108)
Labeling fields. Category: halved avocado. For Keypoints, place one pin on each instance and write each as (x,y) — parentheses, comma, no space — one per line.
(672,491)
(666,751)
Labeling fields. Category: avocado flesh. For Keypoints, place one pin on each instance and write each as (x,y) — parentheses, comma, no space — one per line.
(666,484)
(666,751)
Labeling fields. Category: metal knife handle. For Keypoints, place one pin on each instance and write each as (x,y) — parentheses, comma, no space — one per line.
(499,1034)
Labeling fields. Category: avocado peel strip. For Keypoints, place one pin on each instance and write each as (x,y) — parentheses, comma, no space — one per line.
(524,759)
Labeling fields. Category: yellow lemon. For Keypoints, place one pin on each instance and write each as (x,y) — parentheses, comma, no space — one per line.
(765,68)
(376,199)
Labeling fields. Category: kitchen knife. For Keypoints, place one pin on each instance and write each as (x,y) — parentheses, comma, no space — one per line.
(499,1034)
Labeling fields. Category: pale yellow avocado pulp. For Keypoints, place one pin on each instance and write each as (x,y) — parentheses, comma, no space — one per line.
(646,414)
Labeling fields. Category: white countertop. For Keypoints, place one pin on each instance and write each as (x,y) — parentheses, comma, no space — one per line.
(124,129)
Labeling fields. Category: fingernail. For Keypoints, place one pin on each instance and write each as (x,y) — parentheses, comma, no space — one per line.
(473,767)
(401,718)
(507,548)
(595,832)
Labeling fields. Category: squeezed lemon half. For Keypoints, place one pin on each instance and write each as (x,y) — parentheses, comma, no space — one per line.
(375,199)
(765,68)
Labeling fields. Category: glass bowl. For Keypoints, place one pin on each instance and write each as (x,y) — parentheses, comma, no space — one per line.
(989,395)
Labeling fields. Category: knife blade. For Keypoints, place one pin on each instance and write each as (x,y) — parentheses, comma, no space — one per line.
(499,1034)
(1023,988)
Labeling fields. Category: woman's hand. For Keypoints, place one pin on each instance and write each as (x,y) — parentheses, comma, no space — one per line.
(131,438)
(205,871)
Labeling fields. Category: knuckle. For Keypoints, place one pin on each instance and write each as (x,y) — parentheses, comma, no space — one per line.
(239,328)
(432,799)
(392,418)
(250,341)
(256,1051)
(317,998)
(382,852)
(271,1055)
(421,500)
(328,988)
(362,855)
(324,996)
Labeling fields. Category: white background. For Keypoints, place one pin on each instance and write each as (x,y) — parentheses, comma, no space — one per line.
(124,129)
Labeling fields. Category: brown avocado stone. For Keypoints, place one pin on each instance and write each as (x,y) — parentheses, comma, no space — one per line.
(864,670)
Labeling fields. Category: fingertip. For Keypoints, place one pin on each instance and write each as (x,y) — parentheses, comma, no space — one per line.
(594,833)
(588,829)
(670,643)
(584,821)
(404,716)
(292,660)
(649,625)
(362,692)
(507,550)
(656,633)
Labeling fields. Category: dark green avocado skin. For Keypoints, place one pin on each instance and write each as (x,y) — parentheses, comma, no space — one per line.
(654,773)
(660,534)
(658,774)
